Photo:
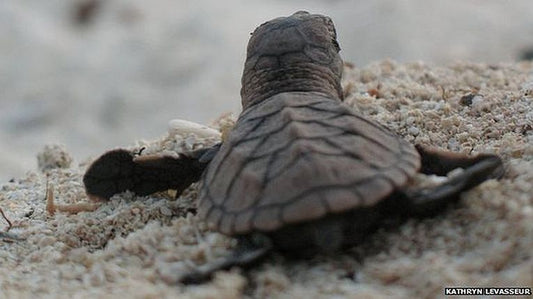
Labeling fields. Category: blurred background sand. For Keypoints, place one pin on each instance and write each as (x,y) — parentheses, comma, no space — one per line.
(94,78)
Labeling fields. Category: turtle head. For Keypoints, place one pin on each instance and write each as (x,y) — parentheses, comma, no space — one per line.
(295,53)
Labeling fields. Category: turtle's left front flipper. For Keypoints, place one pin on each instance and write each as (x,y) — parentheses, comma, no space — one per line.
(120,170)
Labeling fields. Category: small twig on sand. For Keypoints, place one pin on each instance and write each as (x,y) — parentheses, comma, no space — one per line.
(7,220)
(75,208)
(50,207)
(5,235)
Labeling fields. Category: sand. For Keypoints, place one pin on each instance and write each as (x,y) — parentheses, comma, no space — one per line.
(137,247)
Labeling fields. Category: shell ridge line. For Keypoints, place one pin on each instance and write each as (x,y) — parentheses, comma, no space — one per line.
(366,136)
(289,122)
(226,155)
(247,160)
(410,152)
(398,161)
(250,125)
(265,137)
(322,200)
(253,108)
(221,205)
(288,203)
(415,164)
(354,132)
(351,186)
(350,111)
(268,170)
(250,158)
(205,196)
(408,149)
(321,196)
(290,143)
(323,188)
(346,152)
(212,206)
(208,214)
(389,180)
(286,147)
(285,126)
(261,135)
(272,154)
(291,163)
(240,168)
(327,140)
(320,120)
(346,111)
(281,206)
(275,131)
(218,166)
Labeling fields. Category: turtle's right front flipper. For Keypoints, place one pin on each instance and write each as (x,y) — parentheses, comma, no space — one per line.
(476,169)
(120,170)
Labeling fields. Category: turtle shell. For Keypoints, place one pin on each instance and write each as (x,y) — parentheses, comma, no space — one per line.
(297,157)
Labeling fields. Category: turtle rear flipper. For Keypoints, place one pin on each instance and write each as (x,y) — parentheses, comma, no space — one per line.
(120,170)
(477,169)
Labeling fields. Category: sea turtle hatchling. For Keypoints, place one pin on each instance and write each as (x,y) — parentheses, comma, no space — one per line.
(300,172)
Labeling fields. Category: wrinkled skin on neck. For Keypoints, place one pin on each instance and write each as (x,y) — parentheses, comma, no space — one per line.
(295,53)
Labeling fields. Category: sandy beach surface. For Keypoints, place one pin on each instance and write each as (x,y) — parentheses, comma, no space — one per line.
(138,247)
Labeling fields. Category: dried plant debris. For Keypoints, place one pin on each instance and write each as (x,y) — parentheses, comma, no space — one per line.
(139,246)
(74,208)
(6,219)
